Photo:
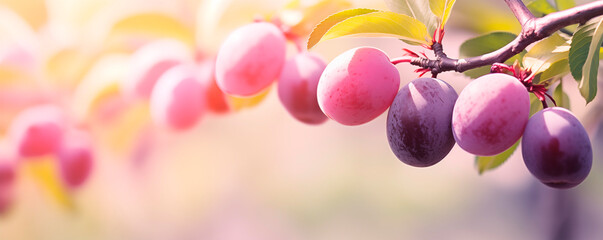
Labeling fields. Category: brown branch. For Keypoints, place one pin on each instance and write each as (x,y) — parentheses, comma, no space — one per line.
(533,29)
(521,12)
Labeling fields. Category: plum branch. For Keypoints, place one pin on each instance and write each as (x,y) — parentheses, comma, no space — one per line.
(521,12)
(532,29)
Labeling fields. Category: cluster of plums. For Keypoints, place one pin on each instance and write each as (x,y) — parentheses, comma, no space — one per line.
(40,131)
(426,117)
(255,55)
(180,87)
(162,72)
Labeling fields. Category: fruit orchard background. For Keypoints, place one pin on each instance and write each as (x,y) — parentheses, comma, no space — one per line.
(259,174)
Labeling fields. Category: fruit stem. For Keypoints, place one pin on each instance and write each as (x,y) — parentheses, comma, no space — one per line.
(551,98)
(542,99)
(438,35)
(403,59)
(423,71)
(289,34)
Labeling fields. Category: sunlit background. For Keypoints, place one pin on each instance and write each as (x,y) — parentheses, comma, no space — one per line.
(253,172)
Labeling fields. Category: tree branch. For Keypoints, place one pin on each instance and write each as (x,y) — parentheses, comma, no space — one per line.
(521,12)
(533,30)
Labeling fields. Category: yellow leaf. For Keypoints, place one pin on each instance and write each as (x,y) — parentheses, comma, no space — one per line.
(442,9)
(545,53)
(98,102)
(151,25)
(387,23)
(447,12)
(100,84)
(556,69)
(121,134)
(44,172)
(68,66)
(302,18)
(323,27)
(437,7)
(293,4)
(375,23)
(240,103)
(417,9)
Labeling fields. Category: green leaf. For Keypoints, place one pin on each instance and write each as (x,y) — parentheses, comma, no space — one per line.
(584,57)
(442,9)
(588,83)
(485,163)
(541,7)
(557,69)
(418,9)
(561,98)
(565,4)
(546,53)
(332,20)
(484,44)
(579,49)
(375,23)
(535,104)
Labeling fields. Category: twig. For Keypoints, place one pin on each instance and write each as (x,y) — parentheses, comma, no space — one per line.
(521,12)
(533,29)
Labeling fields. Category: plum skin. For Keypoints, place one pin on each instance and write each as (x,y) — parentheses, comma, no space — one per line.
(358,86)
(178,100)
(215,100)
(250,59)
(149,62)
(297,86)
(556,148)
(490,114)
(75,158)
(419,126)
(38,130)
(7,185)
(76,163)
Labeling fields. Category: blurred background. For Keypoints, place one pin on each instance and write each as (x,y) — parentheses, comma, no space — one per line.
(253,172)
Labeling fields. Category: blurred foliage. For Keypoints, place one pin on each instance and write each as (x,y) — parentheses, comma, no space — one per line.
(470,15)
